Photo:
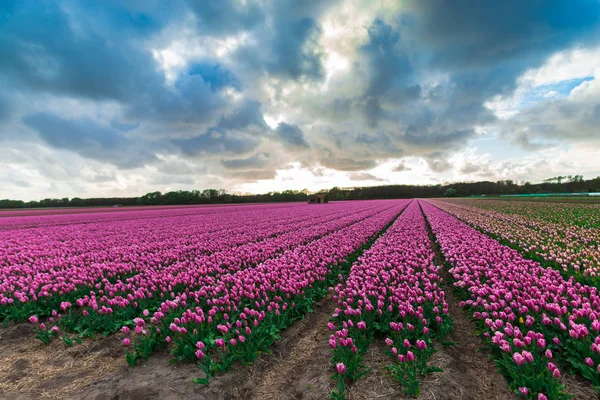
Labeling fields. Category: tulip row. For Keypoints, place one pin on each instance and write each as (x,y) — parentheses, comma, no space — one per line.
(14,219)
(566,214)
(570,249)
(393,290)
(241,314)
(122,301)
(534,320)
(61,264)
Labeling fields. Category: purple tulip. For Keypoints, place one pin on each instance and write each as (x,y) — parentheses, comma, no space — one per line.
(519,359)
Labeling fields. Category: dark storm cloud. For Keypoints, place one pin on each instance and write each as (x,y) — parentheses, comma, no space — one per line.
(256,161)
(481,49)
(39,50)
(291,136)
(226,16)
(573,119)
(287,47)
(465,34)
(401,167)
(389,71)
(248,114)
(330,160)
(485,46)
(191,102)
(379,142)
(230,135)
(438,161)
(472,168)
(91,140)
(364,176)
(216,76)
(124,126)
(424,138)
(251,176)
(216,142)
(94,52)
(5,108)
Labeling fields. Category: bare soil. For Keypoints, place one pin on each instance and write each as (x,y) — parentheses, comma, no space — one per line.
(96,370)
(32,370)
(303,368)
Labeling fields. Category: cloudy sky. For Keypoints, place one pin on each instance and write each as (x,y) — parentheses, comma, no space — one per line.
(103,98)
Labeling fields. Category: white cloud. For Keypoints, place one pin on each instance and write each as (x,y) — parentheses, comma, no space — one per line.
(564,66)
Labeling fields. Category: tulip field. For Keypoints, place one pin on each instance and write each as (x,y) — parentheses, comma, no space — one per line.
(218,287)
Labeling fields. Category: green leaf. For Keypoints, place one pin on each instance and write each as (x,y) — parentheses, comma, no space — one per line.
(434,369)
(201,381)
(67,340)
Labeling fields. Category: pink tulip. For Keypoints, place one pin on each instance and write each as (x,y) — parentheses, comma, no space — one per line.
(341,368)
(519,359)
(332,342)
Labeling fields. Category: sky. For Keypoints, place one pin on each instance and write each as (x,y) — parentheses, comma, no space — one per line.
(119,98)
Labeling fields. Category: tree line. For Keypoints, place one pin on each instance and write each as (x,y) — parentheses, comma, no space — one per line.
(562,184)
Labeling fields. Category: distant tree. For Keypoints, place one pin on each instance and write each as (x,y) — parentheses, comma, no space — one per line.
(450,192)
(576,178)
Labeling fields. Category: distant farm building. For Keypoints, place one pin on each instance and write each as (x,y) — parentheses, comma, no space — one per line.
(317,199)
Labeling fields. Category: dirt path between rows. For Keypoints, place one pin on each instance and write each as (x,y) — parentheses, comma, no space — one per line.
(469,372)
(32,370)
(303,371)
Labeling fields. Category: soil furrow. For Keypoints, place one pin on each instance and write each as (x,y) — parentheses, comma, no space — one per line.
(469,372)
